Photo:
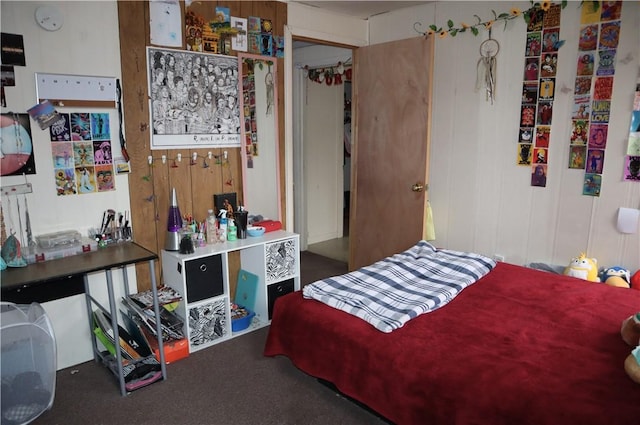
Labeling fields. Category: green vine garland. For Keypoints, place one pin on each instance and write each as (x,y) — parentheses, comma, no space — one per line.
(535,9)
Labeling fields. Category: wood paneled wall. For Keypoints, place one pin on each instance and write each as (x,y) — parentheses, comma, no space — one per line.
(150,187)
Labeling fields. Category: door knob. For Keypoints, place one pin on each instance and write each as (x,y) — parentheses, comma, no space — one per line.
(418,187)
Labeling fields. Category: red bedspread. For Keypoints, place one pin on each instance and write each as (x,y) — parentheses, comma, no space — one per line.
(520,346)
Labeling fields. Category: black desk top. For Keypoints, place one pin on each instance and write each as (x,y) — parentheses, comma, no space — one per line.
(113,256)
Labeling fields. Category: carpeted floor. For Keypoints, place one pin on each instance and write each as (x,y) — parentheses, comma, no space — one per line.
(228,383)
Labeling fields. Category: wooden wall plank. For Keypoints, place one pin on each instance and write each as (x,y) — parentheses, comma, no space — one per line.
(150,185)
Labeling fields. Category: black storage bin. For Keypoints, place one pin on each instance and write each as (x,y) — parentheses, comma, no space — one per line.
(204,278)
(276,290)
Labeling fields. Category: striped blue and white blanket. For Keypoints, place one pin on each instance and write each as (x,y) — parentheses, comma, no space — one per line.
(392,291)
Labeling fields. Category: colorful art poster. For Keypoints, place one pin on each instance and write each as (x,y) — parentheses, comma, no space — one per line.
(551,17)
(86,180)
(254,24)
(539,175)
(547,88)
(582,86)
(586,63)
(83,154)
(540,155)
(80,126)
(62,154)
(576,157)
(545,112)
(534,44)
(632,169)
(635,122)
(550,39)
(531,69)
(102,152)
(592,184)
(526,135)
(600,110)
(581,108)
(528,116)
(633,146)
(598,136)
(590,13)
(549,64)
(530,92)
(104,178)
(603,88)
(595,161)
(16,145)
(543,136)
(65,181)
(606,62)
(588,38)
(536,18)
(44,114)
(609,35)
(524,154)
(100,126)
(60,130)
(579,132)
(611,10)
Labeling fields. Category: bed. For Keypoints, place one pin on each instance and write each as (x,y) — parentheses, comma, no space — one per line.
(518,346)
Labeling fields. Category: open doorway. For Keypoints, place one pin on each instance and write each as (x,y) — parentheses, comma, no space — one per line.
(321,146)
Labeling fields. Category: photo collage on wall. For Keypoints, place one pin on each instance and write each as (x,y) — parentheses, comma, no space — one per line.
(538,92)
(262,41)
(250,121)
(81,153)
(595,69)
(632,159)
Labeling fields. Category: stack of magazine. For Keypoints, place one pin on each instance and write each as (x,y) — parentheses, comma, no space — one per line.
(139,365)
(140,307)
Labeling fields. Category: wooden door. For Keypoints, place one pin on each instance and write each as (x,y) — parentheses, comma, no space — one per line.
(391,152)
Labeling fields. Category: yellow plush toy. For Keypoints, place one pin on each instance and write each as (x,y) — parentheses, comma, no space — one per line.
(583,268)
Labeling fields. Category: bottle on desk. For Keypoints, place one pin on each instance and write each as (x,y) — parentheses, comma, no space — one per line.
(212,228)
(223,226)
(232,233)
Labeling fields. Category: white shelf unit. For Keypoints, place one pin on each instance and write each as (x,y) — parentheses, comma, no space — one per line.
(202,278)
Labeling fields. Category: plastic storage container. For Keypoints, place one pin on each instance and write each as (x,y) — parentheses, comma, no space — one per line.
(28,361)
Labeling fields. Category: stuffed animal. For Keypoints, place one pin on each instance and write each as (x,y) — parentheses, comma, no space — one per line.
(635,280)
(632,365)
(630,330)
(583,268)
(616,276)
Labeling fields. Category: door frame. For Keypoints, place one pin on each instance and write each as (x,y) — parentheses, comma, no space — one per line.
(294,204)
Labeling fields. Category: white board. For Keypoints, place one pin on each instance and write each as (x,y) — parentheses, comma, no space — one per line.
(76,90)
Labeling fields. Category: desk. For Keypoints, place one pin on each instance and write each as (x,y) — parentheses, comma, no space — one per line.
(66,273)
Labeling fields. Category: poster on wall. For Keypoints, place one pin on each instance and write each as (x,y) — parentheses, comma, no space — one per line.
(193,99)
(16,146)
(538,91)
(595,68)
(632,159)
(81,153)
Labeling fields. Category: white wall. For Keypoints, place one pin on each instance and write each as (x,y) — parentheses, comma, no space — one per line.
(481,200)
(323,157)
(87,44)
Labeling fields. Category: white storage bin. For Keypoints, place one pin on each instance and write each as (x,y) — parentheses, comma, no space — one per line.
(28,362)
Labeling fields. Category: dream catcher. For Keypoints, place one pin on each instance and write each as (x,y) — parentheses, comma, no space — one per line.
(268,81)
(486,67)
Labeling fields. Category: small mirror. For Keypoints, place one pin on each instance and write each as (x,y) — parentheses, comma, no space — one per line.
(260,147)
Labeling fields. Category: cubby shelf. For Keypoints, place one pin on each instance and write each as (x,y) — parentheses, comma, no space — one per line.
(203,280)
